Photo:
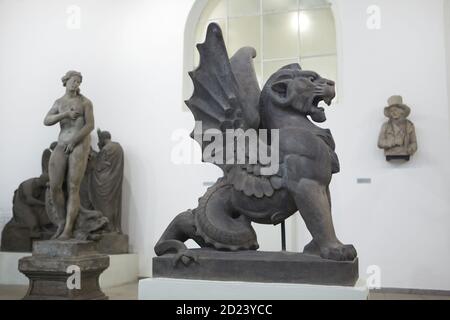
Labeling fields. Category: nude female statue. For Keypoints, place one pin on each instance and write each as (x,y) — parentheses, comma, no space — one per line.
(68,161)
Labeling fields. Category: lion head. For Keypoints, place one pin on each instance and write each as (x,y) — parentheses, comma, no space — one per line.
(302,91)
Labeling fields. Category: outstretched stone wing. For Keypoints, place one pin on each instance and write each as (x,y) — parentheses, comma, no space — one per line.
(226,94)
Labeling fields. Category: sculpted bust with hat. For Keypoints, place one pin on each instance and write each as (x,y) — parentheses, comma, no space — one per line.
(398,135)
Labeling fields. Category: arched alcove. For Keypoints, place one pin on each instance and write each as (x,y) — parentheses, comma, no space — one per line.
(282,32)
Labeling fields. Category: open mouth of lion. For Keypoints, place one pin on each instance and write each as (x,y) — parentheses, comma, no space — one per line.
(321,99)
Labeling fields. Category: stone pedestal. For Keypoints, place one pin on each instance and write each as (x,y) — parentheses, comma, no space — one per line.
(123,269)
(53,262)
(258,266)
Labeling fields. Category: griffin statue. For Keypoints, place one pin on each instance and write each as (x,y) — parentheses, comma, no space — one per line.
(227,96)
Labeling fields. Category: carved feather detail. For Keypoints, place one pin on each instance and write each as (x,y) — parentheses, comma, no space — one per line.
(226,92)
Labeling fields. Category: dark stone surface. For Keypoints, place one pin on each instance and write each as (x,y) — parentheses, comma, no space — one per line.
(258,266)
(47,270)
(106,178)
(29,221)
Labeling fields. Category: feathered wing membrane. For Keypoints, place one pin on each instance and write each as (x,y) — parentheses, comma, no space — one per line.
(226,94)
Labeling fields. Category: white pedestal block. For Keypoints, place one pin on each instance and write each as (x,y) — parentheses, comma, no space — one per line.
(123,268)
(182,289)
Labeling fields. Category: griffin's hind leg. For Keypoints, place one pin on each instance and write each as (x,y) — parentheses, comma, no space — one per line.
(181,229)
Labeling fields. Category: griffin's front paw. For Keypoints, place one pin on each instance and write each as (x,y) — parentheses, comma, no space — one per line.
(185,257)
(343,252)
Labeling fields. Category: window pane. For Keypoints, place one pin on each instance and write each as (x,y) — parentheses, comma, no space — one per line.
(279,5)
(280,35)
(288,35)
(243,7)
(215,9)
(324,66)
(201,35)
(244,32)
(258,71)
(317,32)
(308,4)
(270,67)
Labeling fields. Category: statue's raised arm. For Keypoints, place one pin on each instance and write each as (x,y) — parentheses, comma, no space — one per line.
(54,116)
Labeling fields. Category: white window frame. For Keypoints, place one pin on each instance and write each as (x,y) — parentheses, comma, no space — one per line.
(261,14)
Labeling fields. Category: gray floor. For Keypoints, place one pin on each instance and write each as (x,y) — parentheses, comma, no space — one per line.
(129,292)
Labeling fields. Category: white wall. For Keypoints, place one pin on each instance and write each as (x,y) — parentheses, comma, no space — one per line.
(447,42)
(131,56)
(401,221)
